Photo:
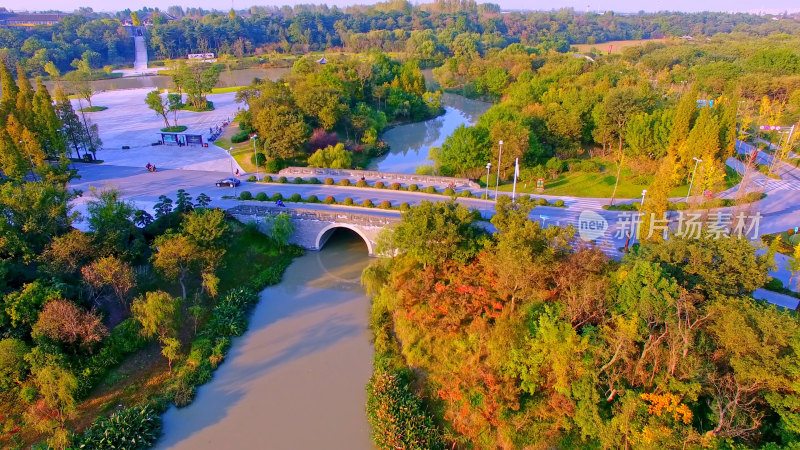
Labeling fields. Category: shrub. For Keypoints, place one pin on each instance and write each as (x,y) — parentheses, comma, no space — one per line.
(251,179)
(274,165)
(681,206)
(344,182)
(314,180)
(245,195)
(298,180)
(267,179)
(413,187)
(182,394)
(262,159)
(133,428)
(430,190)
(240,137)
(295,197)
(396,414)
(467,194)
(329,200)
(362,183)
(449,191)
(367,203)
(282,180)
(404,206)
(380,185)
(277,196)
(751,197)
(329,181)
(559,203)
(395,186)
(541,202)
(312,199)
(262,197)
(386,204)
(348,201)
(773,284)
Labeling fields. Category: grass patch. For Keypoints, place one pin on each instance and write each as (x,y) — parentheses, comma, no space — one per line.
(177,129)
(93,109)
(227,89)
(208,107)
(597,185)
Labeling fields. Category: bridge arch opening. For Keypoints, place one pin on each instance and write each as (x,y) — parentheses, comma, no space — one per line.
(339,228)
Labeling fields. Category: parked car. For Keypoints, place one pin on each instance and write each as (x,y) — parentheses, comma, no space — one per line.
(228,182)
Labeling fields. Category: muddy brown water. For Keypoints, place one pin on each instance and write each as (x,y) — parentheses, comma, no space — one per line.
(296,380)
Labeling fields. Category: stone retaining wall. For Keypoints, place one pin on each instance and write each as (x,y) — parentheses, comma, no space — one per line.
(382,176)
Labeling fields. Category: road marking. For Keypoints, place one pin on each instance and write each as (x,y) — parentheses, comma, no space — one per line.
(778,185)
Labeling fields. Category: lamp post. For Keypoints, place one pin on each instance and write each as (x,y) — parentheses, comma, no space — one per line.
(497,182)
(255,155)
(644,192)
(230,153)
(696,162)
(488,166)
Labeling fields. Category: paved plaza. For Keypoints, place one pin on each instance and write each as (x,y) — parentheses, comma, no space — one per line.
(129,122)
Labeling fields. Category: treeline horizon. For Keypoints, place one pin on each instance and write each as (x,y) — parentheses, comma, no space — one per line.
(419,31)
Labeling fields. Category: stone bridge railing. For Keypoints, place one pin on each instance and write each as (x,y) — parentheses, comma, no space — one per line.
(377,175)
(364,220)
(313,227)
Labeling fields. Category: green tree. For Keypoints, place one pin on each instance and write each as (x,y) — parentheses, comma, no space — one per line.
(13,367)
(57,387)
(111,220)
(618,107)
(158,313)
(465,152)
(432,233)
(23,306)
(280,228)
(171,349)
(176,256)
(281,130)
(334,157)
(159,105)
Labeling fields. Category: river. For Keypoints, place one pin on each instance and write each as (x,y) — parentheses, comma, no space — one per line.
(410,144)
(296,380)
(233,78)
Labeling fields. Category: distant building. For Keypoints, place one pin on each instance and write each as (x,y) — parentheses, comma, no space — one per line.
(12,19)
(322,61)
(147,18)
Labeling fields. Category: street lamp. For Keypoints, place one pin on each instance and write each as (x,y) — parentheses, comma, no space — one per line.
(230,153)
(696,162)
(644,192)
(488,166)
(497,183)
(255,155)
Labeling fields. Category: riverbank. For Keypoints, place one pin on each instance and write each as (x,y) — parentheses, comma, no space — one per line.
(296,379)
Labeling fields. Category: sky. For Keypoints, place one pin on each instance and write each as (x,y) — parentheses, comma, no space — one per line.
(773,6)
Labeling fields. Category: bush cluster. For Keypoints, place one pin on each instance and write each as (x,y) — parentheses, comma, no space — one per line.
(133,428)
(396,414)
(240,137)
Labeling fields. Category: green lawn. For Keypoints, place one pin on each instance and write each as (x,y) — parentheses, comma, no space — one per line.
(601,185)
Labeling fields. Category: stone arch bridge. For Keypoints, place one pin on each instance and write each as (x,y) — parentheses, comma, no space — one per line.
(313,227)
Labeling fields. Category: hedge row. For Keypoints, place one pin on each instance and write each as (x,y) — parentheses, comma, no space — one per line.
(329,200)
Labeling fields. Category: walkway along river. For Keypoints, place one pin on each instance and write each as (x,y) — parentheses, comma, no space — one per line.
(296,380)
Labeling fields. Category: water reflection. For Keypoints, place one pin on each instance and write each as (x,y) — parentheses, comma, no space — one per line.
(296,379)
(410,144)
(232,78)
